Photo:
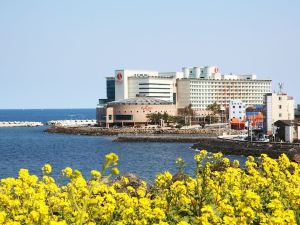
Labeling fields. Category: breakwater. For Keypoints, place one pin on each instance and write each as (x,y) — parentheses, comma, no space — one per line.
(162,138)
(98,131)
(71,123)
(20,124)
(226,146)
(232,147)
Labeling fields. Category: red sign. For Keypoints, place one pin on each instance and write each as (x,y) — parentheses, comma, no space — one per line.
(216,70)
(119,76)
(146,108)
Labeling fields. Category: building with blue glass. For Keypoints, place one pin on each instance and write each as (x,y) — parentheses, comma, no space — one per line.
(110,89)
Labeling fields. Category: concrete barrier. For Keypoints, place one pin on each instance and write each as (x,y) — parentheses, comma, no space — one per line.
(20,124)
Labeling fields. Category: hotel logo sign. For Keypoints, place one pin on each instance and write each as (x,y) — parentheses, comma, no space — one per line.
(119,77)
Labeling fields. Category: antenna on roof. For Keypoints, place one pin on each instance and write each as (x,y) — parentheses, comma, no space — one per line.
(280,84)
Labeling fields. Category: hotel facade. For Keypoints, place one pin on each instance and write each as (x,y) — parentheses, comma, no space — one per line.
(203,92)
(143,83)
(198,86)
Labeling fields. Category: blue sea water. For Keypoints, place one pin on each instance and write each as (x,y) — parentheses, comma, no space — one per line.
(31,148)
(44,115)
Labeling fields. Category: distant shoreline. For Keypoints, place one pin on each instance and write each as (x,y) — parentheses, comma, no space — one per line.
(202,139)
(97,131)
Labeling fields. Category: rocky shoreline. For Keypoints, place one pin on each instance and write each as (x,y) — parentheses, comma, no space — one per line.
(97,131)
(230,147)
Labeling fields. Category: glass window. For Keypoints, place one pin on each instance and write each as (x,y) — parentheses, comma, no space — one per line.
(123,117)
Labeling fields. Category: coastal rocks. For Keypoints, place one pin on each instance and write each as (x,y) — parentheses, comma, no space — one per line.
(179,176)
(98,131)
(132,181)
(229,147)
(296,158)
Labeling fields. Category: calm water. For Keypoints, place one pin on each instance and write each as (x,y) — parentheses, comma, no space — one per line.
(31,148)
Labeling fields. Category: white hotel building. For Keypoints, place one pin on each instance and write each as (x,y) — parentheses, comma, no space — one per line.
(204,86)
(199,86)
(133,83)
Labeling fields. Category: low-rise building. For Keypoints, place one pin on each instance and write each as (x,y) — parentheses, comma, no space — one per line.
(279,106)
(237,109)
(132,111)
(288,130)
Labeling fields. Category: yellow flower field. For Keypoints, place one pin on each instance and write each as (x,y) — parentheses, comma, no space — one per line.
(265,191)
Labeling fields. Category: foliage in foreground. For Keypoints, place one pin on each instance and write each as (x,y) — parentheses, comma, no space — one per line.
(266,191)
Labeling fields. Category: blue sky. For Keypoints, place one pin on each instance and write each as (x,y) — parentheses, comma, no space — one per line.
(55,54)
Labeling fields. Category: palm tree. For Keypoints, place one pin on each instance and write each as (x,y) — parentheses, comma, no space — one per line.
(216,110)
(188,110)
(154,117)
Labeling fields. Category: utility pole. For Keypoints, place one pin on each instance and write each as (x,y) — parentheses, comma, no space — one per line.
(249,132)
(274,132)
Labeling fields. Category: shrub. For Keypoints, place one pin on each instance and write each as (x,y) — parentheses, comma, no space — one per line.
(265,191)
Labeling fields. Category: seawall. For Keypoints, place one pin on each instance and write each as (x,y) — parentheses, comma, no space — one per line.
(231,147)
(162,138)
(97,131)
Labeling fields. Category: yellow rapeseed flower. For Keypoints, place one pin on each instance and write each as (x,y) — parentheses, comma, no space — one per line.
(47,168)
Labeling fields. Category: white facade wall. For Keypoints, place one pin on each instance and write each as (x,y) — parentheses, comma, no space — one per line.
(145,83)
(237,110)
(159,87)
(289,134)
(279,107)
(171,74)
(204,92)
(121,85)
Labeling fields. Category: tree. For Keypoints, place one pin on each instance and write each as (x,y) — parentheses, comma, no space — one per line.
(166,117)
(212,119)
(216,111)
(215,108)
(177,119)
(188,110)
(156,117)
(153,117)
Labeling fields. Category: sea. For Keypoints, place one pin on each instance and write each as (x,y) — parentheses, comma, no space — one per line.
(31,148)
